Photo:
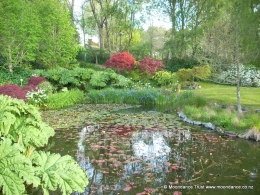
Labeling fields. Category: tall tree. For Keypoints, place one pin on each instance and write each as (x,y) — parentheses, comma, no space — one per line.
(19,32)
(58,45)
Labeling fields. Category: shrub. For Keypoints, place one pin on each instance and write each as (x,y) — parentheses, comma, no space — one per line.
(13,91)
(47,87)
(28,88)
(36,80)
(174,64)
(165,78)
(184,74)
(148,65)
(64,99)
(249,76)
(199,72)
(99,79)
(37,97)
(15,77)
(119,81)
(91,66)
(121,61)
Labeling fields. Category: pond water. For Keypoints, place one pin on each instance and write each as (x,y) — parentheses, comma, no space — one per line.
(150,152)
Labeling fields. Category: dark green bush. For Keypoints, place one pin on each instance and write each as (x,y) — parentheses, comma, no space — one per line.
(90,65)
(92,55)
(15,77)
(175,64)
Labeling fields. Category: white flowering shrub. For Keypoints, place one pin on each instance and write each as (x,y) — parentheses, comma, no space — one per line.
(37,97)
(249,76)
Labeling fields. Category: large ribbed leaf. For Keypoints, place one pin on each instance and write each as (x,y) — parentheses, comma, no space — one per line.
(15,169)
(22,123)
(59,171)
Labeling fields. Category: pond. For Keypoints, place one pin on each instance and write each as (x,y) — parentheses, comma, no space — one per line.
(150,152)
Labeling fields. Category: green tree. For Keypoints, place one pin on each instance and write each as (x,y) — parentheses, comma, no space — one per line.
(19,32)
(58,45)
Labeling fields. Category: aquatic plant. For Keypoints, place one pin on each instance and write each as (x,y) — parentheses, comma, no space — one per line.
(128,96)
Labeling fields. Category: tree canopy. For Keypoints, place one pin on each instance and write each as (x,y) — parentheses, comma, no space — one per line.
(43,33)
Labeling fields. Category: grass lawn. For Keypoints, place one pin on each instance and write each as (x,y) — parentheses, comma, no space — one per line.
(225,94)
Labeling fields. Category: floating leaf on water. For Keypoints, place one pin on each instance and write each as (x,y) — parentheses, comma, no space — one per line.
(128,188)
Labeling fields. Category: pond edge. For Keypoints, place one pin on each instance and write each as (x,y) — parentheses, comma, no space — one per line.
(249,135)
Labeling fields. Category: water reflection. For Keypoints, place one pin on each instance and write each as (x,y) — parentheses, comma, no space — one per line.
(150,144)
(144,161)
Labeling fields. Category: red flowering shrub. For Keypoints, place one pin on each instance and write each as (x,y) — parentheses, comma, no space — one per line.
(31,87)
(36,80)
(148,65)
(121,61)
(13,91)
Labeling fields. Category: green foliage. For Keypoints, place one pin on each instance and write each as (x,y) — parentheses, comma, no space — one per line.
(22,123)
(199,72)
(15,77)
(64,99)
(56,171)
(227,118)
(189,98)
(90,65)
(164,78)
(19,33)
(83,78)
(175,63)
(47,87)
(184,74)
(58,45)
(128,96)
(21,132)
(99,79)
(15,169)
(135,75)
(92,55)
(119,81)
(37,98)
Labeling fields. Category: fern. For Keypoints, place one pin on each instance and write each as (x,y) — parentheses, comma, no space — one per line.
(56,171)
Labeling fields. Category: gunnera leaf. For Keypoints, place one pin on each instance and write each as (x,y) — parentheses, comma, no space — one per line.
(15,169)
(59,171)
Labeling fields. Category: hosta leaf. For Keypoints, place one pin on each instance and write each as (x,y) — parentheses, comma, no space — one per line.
(62,171)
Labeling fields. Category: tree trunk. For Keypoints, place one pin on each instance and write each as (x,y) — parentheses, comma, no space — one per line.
(239,109)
